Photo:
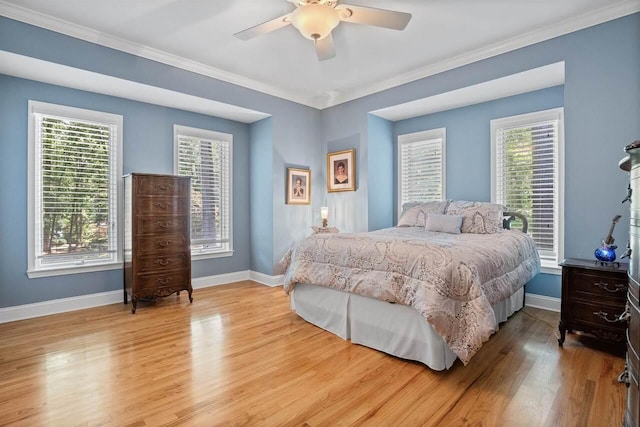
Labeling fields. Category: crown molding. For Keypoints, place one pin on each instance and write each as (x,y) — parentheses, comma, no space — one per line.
(87,34)
(576,23)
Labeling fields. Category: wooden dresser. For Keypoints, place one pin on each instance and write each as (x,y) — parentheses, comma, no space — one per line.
(157,254)
(593,300)
(631,164)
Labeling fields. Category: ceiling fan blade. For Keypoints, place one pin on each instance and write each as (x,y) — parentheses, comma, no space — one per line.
(372,16)
(325,48)
(264,28)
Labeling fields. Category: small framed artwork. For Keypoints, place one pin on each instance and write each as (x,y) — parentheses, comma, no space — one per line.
(341,171)
(298,186)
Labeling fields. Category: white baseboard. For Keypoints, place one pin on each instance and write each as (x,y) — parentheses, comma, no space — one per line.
(220,279)
(265,279)
(63,305)
(542,301)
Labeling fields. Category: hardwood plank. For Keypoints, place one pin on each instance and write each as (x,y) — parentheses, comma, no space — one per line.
(239,356)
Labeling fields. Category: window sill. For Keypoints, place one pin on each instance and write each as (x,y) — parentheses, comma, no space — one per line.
(209,255)
(550,267)
(63,271)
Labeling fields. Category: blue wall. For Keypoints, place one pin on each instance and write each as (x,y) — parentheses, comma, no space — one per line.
(260,190)
(602,107)
(147,147)
(601,100)
(382,178)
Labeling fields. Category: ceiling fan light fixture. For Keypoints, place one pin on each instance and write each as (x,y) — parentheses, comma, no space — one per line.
(315,21)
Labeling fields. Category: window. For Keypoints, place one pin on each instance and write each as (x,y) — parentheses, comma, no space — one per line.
(74,176)
(206,157)
(527,165)
(421,166)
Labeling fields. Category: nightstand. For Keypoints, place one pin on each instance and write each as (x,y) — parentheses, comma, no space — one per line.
(593,300)
(324,230)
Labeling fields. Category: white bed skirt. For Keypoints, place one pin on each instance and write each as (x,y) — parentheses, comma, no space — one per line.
(395,329)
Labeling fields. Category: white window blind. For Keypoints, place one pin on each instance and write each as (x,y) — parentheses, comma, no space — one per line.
(527,174)
(75,187)
(421,166)
(205,156)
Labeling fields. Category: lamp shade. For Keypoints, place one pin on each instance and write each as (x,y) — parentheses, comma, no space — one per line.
(315,21)
(324,212)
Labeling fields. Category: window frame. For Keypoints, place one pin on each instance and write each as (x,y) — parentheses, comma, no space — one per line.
(181,130)
(409,138)
(547,266)
(80,114)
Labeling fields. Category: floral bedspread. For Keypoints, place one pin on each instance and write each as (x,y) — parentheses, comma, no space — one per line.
(451,279)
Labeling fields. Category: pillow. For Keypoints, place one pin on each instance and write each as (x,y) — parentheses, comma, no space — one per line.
(477,217)
(416,216)
(445,223)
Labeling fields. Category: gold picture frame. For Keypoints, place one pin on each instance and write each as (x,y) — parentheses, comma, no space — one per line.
(341,170)
(298,186)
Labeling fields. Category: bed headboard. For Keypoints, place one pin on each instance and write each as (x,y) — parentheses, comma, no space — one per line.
(511,216)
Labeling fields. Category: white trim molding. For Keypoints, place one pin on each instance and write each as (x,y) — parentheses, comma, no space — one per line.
(265,279)
(81,302)
(604,14)
(542,301)
(39,70)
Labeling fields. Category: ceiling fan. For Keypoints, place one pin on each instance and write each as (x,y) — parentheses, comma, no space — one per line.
(315,19)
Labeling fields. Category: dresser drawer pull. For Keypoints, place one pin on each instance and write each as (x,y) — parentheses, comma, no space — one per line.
(163,224)
(162,205)
(163,261)
(163,187)
(626,315)
(618,287)
(163,280)
(605,316)
(164,243)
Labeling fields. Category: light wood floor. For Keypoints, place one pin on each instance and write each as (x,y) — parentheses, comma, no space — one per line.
(239,356)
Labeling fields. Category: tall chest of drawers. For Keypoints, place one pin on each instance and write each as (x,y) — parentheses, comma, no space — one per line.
(631,164)
(157,254)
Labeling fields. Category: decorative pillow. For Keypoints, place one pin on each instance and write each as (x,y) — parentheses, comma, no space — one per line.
(445,223)
(477,217)
(416,215)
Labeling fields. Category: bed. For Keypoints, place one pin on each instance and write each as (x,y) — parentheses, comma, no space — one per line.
(415,293)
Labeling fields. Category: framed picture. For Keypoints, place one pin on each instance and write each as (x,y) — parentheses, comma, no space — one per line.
(341,171)
(298,186)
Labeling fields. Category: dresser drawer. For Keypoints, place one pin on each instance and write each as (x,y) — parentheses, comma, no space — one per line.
(593,284)
(160,205)
(598,315)
(158,263)
(162,186)
(160,224)
(164,244)
(168,280)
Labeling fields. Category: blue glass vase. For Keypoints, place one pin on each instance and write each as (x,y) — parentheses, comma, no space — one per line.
(606,253)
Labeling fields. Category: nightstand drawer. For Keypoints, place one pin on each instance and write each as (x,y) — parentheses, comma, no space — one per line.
(586,283)
(597,314)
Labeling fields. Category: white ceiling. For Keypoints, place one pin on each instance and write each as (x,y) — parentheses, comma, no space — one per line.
(198,35)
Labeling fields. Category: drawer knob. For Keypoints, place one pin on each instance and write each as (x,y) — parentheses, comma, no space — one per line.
(164,243)
(605,316)
(163,224)
(163,261)
(163,280)
(618,287)
(162,205)
(163,187)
